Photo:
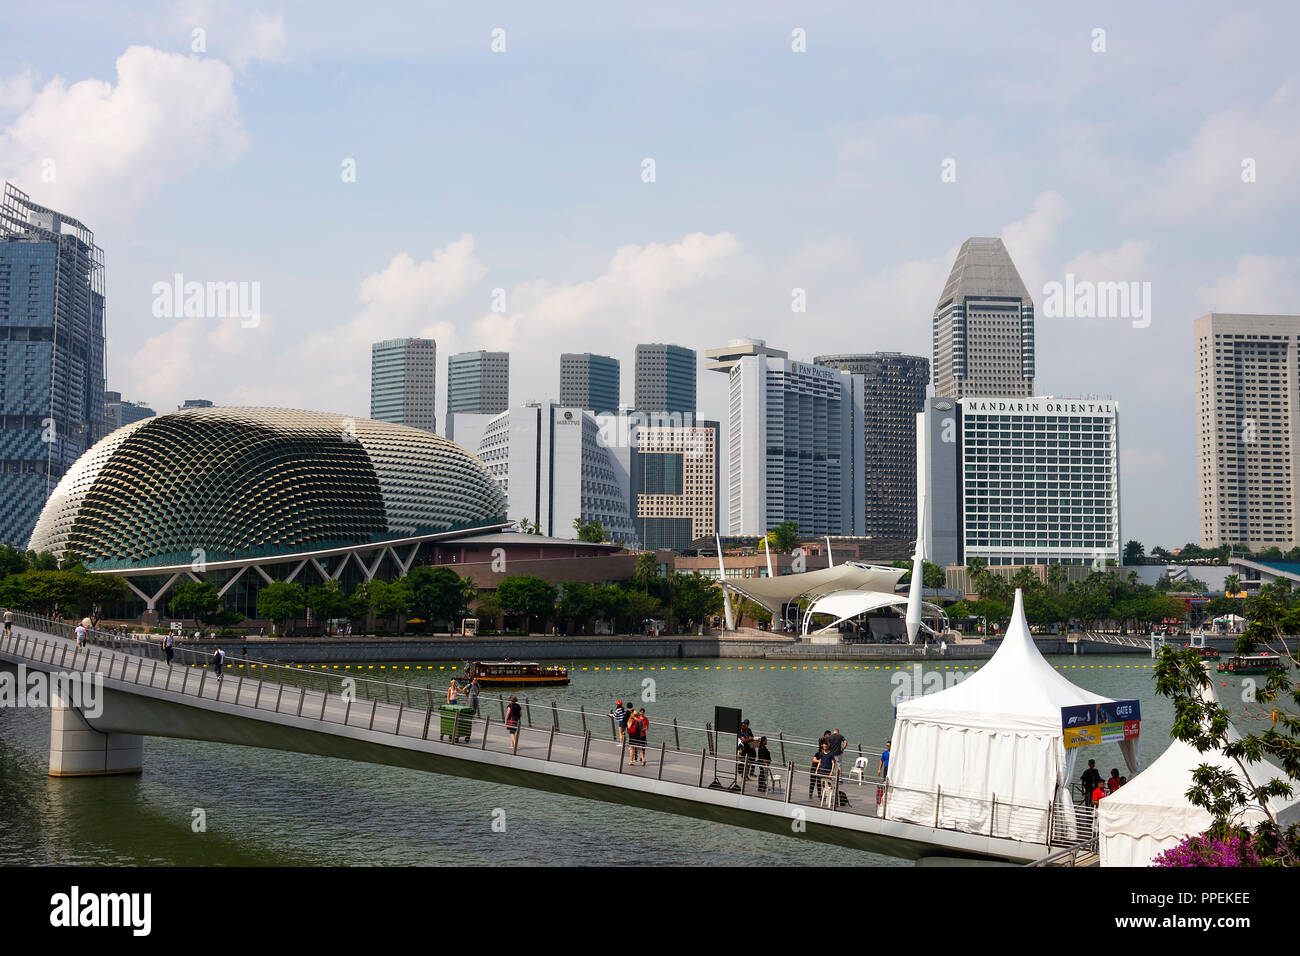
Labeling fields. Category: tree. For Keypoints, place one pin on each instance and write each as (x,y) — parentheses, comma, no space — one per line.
(529,527)
(695,598)
(784,538)
(281,601)
(527,596)
(1057,576)
(933,576)
(641,607)
(645,571)
(591,531)
(327,601)
(1134,552)
(194,599)
(1160,554)
(1202,722)
(12,561)
(440,594)
(391,600)
(489,610)
(1232,584)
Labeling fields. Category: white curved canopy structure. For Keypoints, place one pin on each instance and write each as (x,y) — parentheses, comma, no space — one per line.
(843,605)
(772,594)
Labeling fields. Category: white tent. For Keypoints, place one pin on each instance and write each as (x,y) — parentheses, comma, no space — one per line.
(1151,813)
(995,739)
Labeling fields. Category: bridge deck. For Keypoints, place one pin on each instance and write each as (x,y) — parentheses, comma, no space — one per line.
(150,697)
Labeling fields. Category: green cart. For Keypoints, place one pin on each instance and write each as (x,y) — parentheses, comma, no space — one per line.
(455,721)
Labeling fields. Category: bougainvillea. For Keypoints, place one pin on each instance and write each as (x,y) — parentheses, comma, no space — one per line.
(1205,850)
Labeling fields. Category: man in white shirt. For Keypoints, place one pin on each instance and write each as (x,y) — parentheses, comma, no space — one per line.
(81,635)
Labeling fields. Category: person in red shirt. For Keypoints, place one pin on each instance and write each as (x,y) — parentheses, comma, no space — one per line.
(1097,794)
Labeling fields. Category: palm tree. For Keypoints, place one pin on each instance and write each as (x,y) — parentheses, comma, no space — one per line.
(1057,576)
(1232,584)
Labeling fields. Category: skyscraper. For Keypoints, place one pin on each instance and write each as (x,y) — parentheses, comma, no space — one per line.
(590,382)
(665,379)
(1248,429)
(794,440)
(478,383)
(984,326)
(403,382)
(51,355)
(894,391)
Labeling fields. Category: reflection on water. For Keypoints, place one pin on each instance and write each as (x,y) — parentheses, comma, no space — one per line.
(269,808)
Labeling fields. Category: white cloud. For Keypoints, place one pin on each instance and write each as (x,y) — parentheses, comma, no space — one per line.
(18,90)
(238,35)
(1259,284)
(112,145)
(1029,239)
(1203,182)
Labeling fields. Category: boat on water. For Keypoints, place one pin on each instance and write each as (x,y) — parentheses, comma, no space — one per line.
(1206,653)
(1252,664)
(516,674)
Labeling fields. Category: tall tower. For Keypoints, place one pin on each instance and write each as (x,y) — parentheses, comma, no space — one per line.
(665,379)
(1248,429)
(984,326)
(590,382)
(894,388)
(51,355)
(403,382)
(478,383)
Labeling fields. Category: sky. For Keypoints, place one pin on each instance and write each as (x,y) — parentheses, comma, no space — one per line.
(587,176)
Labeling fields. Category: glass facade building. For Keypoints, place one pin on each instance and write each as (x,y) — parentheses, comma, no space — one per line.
(478,383)
(51,355)
(665,380)
(590,382)
(403,382)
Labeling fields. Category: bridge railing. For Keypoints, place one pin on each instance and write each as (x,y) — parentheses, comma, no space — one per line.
(679,735)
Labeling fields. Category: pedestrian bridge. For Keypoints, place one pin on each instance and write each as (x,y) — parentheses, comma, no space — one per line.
(687,771)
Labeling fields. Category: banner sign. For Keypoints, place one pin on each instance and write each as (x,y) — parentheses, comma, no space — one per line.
(1105,723)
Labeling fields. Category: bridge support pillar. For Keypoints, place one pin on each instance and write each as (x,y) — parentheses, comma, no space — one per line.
(78,750)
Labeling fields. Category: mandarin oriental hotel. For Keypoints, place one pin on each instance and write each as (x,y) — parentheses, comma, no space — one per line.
(1037,479)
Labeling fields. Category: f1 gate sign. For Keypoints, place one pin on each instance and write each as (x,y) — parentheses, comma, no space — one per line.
(1108,722)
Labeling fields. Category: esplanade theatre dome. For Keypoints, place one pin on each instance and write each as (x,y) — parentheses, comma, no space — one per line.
(251,482)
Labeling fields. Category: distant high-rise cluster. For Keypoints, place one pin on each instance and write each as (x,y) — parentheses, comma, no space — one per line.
(403,382)
(51,355)
(118,412)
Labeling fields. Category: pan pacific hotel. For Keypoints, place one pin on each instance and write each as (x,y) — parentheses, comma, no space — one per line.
(1019,481)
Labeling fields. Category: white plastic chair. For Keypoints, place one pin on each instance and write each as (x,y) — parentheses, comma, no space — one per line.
(859,770)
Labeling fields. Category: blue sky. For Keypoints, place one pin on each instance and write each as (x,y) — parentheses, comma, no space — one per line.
(774,170)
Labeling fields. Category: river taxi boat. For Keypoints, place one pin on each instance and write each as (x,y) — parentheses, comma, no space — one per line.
(516,674)
(1252,664)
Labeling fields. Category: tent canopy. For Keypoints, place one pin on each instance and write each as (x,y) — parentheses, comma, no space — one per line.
(996,734)
(1151,813)
(1017,690)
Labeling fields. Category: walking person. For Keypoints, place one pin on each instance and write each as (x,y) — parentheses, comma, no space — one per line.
(473,692)
(218,662)
(81,635)
(883,769)
(453,692)
(825,767)
(9,621)
(513,712)
(1091,778)
(169,646)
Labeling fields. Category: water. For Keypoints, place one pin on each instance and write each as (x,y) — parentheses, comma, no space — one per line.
(265,807)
